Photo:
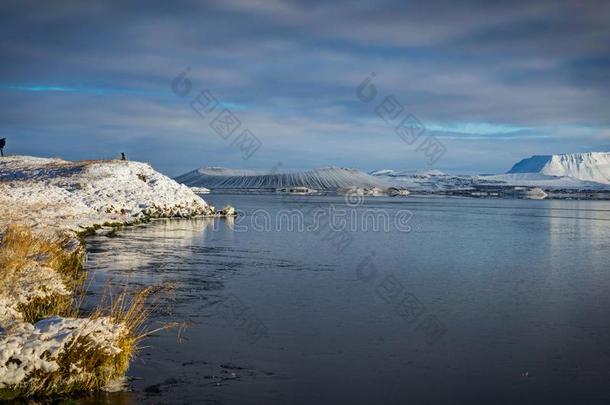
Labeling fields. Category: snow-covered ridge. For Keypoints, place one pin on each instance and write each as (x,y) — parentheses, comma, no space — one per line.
(74,195)
(592,166)
(329,178)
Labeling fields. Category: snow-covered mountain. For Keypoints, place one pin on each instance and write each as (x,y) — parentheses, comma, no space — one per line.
(439,182)
(582,171)
(592,166)
(331,178)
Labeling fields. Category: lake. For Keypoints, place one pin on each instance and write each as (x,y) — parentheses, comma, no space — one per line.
(318,299)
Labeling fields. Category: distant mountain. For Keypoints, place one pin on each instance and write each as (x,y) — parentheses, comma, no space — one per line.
(572,171)
(592,166)
(548,172)
(539,180)
(424,180)
(407,173)
(330,178)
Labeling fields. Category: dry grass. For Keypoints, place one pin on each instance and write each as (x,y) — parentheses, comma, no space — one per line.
(42,307)
(21,249)
(129,308)
(84,364)
(20,246)
(132,307)
(96,367)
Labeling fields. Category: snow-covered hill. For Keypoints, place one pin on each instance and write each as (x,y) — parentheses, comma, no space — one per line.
(433,181)
(72,195)
(426,180)
(539,180)
(331,178)
(593,166)
(408,173)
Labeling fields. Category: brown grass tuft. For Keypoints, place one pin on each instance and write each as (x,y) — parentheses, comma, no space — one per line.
(21,249)
(132,307)
(41,307)
(20,246)
(84,364)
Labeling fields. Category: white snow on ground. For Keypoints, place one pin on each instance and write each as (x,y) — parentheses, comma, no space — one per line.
(8,314)
(54,195)
(33,282)
(75,195)
(541,180)
(31,351)
(592,166)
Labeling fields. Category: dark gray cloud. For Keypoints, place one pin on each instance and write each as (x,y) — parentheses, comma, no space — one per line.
(493,80)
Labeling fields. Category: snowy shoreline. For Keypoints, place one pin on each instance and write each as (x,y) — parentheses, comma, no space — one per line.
(54,193)
(46,207)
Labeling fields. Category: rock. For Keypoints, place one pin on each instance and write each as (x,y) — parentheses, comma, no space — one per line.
(228,211)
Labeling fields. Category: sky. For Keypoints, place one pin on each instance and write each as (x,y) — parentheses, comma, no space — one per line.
(491,82)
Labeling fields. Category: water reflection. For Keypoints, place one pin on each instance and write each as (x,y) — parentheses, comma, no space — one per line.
(522,286)
(146,253)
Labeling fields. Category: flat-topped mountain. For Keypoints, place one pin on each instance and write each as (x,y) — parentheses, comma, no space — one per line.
(592,166)
(329,178)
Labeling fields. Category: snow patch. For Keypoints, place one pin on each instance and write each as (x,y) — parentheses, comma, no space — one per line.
(32,351)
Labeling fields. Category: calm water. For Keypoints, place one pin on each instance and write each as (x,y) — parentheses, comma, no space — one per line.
(495,301)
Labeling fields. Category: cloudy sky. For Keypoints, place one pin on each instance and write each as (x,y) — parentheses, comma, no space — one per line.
(493,82)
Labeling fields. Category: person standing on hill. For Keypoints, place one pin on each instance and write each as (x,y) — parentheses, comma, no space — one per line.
(2,145)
